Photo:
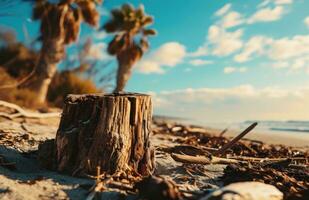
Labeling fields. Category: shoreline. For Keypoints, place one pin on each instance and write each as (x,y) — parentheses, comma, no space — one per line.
(293,139)
(269,137)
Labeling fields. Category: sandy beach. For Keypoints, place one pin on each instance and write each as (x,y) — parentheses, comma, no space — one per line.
(19,143)
(270,137)
(154,100)
(294,139)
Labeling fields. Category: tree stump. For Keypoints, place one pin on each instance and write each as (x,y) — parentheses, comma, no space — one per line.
(107,130)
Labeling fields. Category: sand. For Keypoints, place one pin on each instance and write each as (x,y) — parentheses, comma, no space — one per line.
(30,181)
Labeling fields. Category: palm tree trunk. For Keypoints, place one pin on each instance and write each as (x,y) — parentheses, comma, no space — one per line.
(126,60)
(52,52)
(43,77)
(123,74)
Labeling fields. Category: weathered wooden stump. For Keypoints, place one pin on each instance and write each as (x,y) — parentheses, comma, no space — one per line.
(108,130)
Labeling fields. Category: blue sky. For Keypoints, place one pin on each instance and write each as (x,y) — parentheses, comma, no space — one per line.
(216,60)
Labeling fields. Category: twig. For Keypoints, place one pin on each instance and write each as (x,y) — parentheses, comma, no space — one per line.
(223,132)
(218,160)
(246,158)
(235,139)
(190,159)
(22,113)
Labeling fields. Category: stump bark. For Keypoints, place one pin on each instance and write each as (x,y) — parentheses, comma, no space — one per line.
(111,131)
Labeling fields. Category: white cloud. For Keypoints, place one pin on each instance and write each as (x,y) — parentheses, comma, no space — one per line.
(275,2)
(306,21)
(219,42)
(199,62)
(201,51)
(229,70)
(281,2)
(232,19)
(294,64)
(264,3)
(291,53)
(266,15)
(221,104)
(255,46)
(223,10)
(286,48)
(167,55)
(224,43)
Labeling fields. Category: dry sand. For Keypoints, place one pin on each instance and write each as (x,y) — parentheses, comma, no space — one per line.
(30,181)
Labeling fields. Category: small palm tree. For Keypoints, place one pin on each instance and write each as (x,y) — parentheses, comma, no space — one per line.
(130,40)
(60,25)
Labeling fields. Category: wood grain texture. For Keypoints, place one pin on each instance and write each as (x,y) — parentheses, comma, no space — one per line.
(111,131)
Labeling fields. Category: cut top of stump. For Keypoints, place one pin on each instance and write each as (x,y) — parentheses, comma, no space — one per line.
(76,98)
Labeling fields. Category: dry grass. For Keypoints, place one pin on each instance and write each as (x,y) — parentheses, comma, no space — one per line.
(23,97)
(63,84)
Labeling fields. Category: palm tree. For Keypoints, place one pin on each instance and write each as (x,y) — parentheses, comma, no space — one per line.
(60,25)
(130,39)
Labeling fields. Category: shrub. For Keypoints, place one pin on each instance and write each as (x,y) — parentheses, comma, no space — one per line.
(17,61)
(67,82)
(63,83)
(23,97)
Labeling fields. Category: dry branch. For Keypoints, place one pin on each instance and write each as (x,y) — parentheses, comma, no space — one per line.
(236,139)
(22,113)
(254,159)
(203,159)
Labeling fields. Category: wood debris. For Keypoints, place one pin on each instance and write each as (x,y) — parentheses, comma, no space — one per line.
(284,167)
(195,171)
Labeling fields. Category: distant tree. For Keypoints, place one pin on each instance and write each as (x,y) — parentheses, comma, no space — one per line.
(76,76)
(60,25)
(130,39)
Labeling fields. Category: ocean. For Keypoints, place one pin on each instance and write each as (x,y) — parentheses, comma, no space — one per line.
(263,126)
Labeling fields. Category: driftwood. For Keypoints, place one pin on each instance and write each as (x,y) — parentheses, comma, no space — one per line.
(255,159)
(190,159)
(209,156)
(109,131)
(22,113)
(203,159)
(236,139)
